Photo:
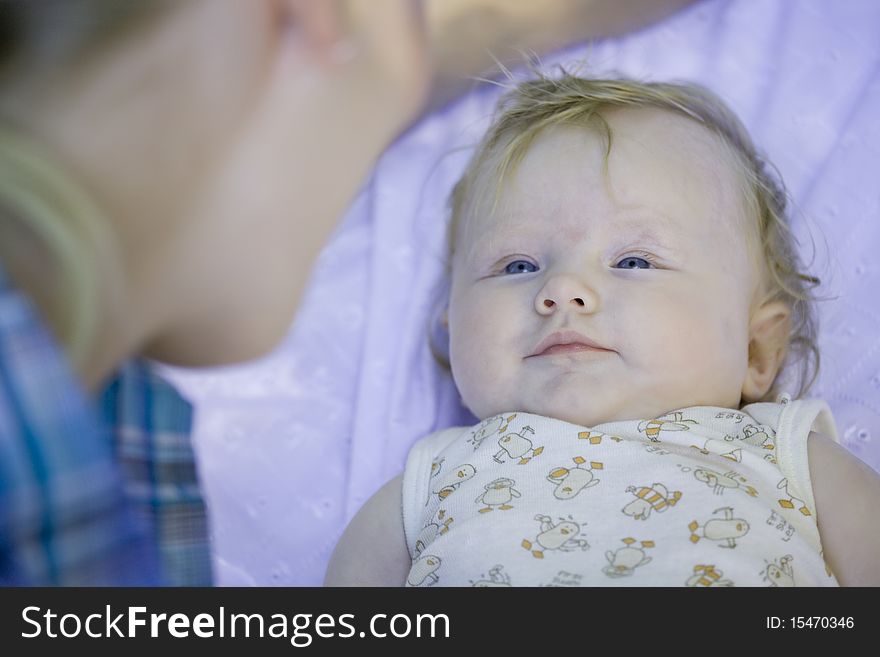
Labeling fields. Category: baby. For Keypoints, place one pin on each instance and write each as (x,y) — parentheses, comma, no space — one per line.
(624,295)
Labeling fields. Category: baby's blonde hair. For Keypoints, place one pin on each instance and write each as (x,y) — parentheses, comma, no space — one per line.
(535,105)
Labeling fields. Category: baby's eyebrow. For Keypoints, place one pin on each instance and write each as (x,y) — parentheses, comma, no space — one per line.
(657,230)
(654,229)
(650,236)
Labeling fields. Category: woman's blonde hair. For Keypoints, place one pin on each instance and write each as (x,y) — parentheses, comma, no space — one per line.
(535,105)
(50,229)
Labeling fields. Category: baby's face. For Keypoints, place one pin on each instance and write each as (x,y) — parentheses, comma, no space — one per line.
(650,263)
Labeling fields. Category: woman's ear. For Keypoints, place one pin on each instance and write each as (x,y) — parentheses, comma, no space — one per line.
(769,331)
(322,26)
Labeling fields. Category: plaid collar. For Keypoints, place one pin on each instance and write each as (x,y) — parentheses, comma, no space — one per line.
(85,501)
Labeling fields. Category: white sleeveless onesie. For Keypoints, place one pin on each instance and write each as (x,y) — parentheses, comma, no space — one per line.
(701,496)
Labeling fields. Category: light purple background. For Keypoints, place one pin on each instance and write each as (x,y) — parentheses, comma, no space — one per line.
(291,446)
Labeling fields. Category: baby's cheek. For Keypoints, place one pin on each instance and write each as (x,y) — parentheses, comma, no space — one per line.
(478,367)
(695,347)
(472,372)
(675,341)
(671,341)
(472,366)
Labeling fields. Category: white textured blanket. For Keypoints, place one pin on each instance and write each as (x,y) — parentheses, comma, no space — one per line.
(291,446)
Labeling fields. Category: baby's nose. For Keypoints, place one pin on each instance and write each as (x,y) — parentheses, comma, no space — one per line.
(566,292)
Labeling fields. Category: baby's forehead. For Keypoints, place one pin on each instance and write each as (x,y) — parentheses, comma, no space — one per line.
(669,129)
(661,167)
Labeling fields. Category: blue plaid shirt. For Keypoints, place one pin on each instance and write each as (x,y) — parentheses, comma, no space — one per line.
(92,492)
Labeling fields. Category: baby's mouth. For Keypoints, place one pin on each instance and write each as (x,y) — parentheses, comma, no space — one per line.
(570,348)
(567,343)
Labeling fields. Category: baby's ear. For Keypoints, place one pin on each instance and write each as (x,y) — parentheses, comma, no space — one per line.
(438,336)
(769,331)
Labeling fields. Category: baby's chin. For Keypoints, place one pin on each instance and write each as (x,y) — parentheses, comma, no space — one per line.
(582,415)
(586,415)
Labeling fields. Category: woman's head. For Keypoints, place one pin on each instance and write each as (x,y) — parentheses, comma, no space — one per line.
(158,152)
(53,236)
(575,175)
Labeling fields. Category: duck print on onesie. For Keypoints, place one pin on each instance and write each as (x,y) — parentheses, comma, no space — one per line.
(497,577)
(720,482)
(725,530)
(571,481)
(497,424)
(624,561)
(517,447)
(562,537)
(437,526)
(653,428)
(780,573)
(707,575)
(424,571)
(450,483)
(498,495)
(655,497)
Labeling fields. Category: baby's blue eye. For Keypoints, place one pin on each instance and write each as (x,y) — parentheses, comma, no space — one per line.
(631,263)
(520,267)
